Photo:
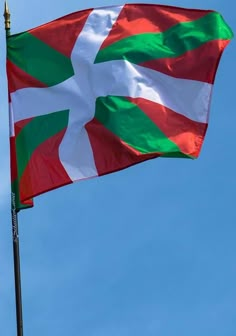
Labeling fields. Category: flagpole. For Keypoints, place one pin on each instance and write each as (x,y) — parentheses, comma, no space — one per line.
(15,233)
(16,255)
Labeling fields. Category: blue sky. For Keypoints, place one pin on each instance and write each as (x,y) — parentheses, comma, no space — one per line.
(146,251)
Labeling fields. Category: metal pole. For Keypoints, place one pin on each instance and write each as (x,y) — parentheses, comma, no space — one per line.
(16,255)
(15,233)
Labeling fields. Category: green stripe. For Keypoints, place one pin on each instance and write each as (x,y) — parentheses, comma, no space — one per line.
(38,59)
(127,121)
(38,130)
(172,43)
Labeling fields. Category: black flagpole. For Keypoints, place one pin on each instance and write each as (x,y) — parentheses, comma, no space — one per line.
(16,255)
(15,234)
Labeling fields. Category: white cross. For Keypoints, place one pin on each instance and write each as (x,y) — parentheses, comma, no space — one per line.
(90,81)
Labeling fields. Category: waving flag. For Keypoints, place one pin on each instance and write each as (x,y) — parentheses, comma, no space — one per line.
(102,89)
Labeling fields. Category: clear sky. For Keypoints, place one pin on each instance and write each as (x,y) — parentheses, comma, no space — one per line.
(146,251)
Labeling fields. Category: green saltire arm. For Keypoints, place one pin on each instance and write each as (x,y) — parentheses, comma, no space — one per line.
(38,130)
(173,42)
(38,59)
(127,121)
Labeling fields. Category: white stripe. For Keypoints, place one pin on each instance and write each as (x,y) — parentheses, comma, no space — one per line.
(33,102)
(75,150)
(76,156)
(121,78)
(187,97)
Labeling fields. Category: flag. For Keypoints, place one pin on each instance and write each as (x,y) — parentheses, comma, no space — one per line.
(102,89)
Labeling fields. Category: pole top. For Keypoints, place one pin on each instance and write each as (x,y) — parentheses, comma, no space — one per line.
(7,17)
(6,8)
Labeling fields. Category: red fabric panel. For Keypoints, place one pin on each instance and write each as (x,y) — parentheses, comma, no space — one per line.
(44,171)
(145,18)
(61,34)
(110,153)
(199,64)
